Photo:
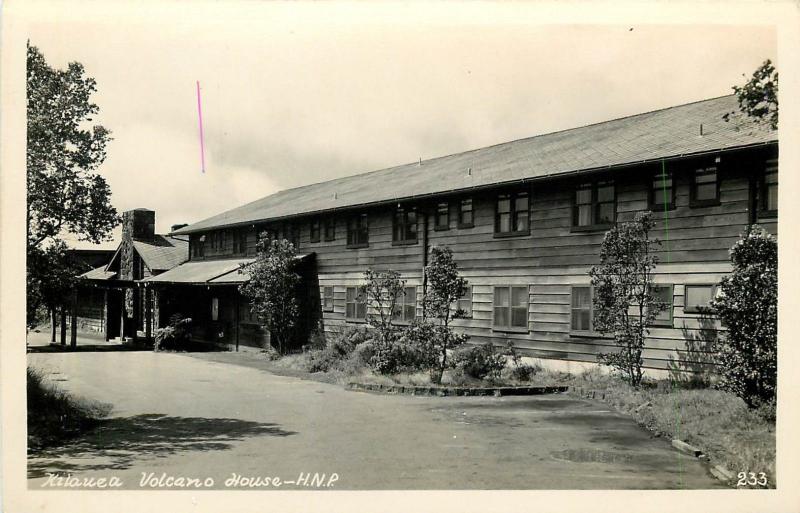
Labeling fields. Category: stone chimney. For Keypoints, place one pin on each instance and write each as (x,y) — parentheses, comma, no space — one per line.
(139,224)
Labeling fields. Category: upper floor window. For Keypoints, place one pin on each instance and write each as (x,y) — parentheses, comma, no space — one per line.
(330,228)
(314,232)
(355,304)
(198,246)
(595,205)
(239,241)
(404,226)
(662,192)
(406,307)
(512,214)
(769,190)
(357,231)
(510,308)
(327,299)
(442,217)
(705,187)
(465,217)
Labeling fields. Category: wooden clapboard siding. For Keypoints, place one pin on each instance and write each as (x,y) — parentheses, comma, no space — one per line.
(550,259)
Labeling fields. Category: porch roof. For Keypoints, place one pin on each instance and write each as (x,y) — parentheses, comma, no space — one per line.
(98,273)
(203,272)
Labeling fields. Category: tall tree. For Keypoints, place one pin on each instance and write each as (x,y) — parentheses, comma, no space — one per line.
(758,97)
(64,192)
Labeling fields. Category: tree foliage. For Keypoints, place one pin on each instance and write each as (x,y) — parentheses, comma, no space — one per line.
(382,291)
(273,288)
(747,305)
(64,193)
(623,300)
(445,287)
(758,97)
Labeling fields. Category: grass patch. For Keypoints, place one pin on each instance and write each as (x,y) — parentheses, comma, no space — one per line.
(717,422)
(54,415)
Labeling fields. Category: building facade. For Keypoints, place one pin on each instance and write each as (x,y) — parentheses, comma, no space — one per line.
(525,221)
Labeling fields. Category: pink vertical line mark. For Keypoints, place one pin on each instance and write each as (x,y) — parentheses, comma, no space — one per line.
(200,116)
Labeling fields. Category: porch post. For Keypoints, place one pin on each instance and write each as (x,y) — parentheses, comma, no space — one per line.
(73,326)
(106,334)
(63,325)
(236,320)
(53,320)
(148,314)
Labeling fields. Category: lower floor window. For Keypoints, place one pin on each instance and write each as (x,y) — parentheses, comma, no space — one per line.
(697,298)
(327,299)
(406,307)
(663,295)
(581,313)
(355,304)
(464,303)
(510,307)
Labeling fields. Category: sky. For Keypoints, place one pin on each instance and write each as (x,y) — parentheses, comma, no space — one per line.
(287,101)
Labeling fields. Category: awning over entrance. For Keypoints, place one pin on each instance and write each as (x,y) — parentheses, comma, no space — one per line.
(209,272)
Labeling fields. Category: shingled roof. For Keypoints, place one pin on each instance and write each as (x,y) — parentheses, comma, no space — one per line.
(163,252)
(660,134)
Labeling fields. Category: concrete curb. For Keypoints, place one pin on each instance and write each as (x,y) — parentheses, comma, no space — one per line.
(688,449)
(439,391)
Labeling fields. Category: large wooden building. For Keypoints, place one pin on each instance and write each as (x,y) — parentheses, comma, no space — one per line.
(525,220)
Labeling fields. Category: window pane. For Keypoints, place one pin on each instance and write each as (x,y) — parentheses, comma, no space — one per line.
(581,297)
(698,296)
(504,204)
(772,197)
(409,312)
(583,196)
(605,193)
(584,215)
(664,296)
(706,191)
(501,317)
(504,223)
(350,310)
(605,213)
(519,317)
(501,296)
(521,222)
(704,177)
(520,296)
(580,320)
(662,196)
(521,202)
(351,294)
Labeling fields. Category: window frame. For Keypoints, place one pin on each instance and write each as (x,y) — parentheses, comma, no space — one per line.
(315,235)
(699,171)
(698,309)
(461,203)
(436,225)
(575,332)
(656,190)
(763,211)
(467,297)
(664,322)
(329,223)
(355,226)
(403,303)
(513,212)
(357,294)
(510,328)
(239,237)
(402,226)
(594,205)
(325,297)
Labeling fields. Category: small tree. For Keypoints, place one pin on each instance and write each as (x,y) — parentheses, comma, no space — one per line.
(624,304)
(445,287)
(51,278)
(382,290)
(272,288)
(758,98)
(748,307)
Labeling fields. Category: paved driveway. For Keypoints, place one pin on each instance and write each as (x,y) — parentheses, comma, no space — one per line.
(187,417)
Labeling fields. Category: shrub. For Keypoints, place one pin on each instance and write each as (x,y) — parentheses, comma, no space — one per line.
(520,371)
(399,355)
(480,362)
(176,335)
(623,300)
(748,307)
(339,347)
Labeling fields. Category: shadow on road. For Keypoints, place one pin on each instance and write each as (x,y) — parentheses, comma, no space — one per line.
(84,348)
(117,443)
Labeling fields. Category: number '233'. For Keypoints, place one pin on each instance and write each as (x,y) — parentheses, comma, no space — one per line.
(750,478)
